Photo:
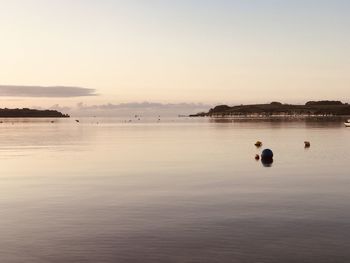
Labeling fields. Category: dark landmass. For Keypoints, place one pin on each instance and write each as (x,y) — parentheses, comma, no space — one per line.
(31,113)
(311,108)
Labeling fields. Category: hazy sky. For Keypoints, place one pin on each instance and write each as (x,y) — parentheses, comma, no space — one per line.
(173,51)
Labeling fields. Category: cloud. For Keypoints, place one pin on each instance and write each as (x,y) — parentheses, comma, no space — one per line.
(142,105)
(139,108)
(41,91)
(60,108)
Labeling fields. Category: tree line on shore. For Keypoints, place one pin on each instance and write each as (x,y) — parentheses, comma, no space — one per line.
(31,113)
(310,108)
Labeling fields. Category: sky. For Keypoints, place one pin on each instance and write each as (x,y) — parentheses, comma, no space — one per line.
(104,52)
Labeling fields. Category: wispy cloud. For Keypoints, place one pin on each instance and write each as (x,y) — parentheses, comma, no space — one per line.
(139,108)
(145,109)
(142,105)
(42,91)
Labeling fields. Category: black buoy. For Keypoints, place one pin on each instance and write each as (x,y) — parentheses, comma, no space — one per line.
(267,157)
(257,157)
(267,154)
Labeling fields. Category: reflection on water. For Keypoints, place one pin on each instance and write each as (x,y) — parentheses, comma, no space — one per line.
(267,162)
(311,122)
(178,190)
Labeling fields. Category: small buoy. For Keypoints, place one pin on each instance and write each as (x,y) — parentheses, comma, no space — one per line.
(307,144)
(258,144)
(267,154)
(77,120)
(257,157)
(52,121)
(267,158)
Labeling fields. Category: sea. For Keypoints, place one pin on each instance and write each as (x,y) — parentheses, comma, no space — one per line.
(174,190)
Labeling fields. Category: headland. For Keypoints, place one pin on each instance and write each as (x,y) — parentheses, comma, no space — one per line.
(311,108)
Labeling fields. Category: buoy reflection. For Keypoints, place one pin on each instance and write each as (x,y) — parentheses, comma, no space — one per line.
(267,162)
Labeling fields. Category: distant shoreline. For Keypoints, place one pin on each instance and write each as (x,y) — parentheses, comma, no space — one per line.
(318,109)
(262,117)
(31,113)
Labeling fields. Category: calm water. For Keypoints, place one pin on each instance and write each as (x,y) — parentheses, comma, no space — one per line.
(173,191)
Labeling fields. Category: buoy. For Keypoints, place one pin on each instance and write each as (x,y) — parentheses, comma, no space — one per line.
(77,120)
(257,157)
(258,144)
(267,158)
(267,154)
(307,144)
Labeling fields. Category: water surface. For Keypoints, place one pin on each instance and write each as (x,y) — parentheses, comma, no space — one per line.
(174,190)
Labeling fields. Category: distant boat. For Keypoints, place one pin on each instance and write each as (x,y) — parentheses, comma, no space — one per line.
(347,123)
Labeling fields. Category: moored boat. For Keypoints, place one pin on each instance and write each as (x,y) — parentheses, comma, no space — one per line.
(347,123)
